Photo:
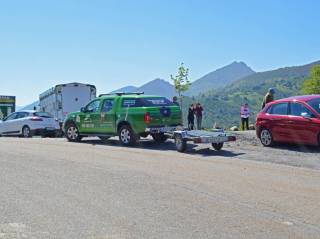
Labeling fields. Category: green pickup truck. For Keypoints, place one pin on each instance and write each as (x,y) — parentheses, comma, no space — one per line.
(129,116)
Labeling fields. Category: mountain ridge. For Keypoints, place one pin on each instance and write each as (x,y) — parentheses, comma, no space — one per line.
(220,78)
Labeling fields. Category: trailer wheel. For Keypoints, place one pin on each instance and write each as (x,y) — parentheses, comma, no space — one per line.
(217,146)
(181,143)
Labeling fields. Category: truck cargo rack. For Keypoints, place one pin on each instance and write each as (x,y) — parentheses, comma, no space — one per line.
(122,93)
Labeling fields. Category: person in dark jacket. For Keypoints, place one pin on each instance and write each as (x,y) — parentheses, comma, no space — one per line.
(191,117)
(175,100)
(269,97)
(198,113)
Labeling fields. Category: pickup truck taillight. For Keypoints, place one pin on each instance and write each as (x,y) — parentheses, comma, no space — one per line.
(36,119)
(147,117)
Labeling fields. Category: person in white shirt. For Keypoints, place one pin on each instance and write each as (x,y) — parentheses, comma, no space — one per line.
(245,114)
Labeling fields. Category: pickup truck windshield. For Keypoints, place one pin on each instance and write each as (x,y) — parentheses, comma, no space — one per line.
(146,102)
(315,103)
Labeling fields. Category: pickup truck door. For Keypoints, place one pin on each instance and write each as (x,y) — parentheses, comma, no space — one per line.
(90,118)
(107,117)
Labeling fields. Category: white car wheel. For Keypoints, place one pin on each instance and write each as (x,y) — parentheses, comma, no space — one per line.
(26,132)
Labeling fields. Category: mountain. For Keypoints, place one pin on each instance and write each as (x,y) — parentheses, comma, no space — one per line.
(158,87)
(222,105)
(154,87)
(220,78)
(126,89)
(29,107)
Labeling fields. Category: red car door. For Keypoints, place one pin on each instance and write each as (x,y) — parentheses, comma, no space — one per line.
(303,124)
(278,121)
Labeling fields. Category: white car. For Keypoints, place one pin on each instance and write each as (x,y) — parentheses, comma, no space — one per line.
(29,123)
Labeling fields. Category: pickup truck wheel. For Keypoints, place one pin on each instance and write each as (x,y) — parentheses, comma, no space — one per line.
(72,133)
(159,138)
(181,143)
(26,132)
(266,138)
(217,146)
(104,138)
(127,136)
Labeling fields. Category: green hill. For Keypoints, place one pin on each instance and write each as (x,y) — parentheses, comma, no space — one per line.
(222,106)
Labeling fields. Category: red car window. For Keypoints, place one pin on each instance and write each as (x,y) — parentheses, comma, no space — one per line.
(278,109)
(297,109)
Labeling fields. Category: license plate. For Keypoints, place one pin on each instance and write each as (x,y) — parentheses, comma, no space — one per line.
(50,129)
(219,139)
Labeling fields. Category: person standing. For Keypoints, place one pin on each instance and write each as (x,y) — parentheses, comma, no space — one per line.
(191,117)
(245,114)
(269,97)
(175,100)
(199,112)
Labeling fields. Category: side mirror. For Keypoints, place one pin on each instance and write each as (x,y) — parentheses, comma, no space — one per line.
(306,115)
(83,109)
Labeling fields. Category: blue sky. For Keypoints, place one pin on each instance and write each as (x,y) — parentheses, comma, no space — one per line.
(116,43)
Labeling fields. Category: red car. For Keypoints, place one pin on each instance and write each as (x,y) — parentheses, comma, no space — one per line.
(291,120)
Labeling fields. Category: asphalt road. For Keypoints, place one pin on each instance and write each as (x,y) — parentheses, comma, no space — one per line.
(50,188)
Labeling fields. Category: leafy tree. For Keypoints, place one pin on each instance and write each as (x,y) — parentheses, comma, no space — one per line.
(181,81)
(312,84)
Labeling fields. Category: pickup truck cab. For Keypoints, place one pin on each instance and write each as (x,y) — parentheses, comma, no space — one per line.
(127,115)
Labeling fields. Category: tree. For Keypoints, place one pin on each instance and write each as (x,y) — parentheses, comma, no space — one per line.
(181,81)
(312,84)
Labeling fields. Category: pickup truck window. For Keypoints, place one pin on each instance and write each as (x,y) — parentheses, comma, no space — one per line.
(146,102)
(157,101)
(93,106)
(107,105)
(131,102)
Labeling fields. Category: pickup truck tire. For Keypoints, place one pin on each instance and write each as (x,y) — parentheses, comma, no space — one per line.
(160,137)
(181,143)
(217,146)
(127,136)
(72,133)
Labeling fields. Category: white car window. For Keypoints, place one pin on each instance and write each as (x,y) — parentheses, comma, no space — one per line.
(22,115)
(11,117)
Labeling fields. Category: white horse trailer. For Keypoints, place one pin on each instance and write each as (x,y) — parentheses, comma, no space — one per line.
(63,99)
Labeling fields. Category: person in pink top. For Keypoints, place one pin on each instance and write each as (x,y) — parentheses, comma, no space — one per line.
(245,114)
